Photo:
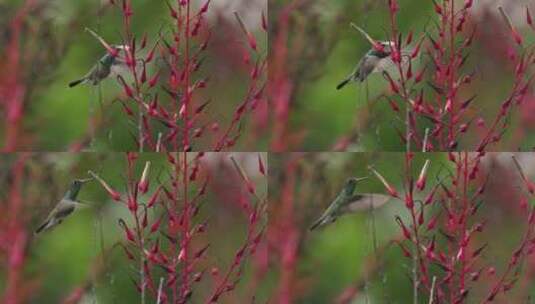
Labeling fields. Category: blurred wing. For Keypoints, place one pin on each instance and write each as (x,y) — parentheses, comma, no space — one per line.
(82,204)
(384,65)
(366,201)
(367,66)
(119,68)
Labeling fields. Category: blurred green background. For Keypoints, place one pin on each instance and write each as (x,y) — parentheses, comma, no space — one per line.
(66,257)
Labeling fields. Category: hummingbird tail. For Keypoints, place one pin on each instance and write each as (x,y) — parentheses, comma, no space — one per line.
(76,82)
(41,228)
(343,83)
(317,223)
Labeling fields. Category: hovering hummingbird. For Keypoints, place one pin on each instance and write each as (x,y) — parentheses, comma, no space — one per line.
(374,61)
(349,202)
(377,59)
(107,65)
(65,207)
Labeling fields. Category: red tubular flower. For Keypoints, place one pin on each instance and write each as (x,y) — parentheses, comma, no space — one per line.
(408,40)
(406,252)
(391,190)
(132,204)
(409,71)
(127,8)
(468,4)
(429,199)
(129,234)
(114,194)
(438,8)
(518,38)
(420,183)
(420,75)
(393,105)
(143,185)
(432,223)
(406,232)
(393,86)
(393,6)
(204,7)
(409,201)
(250,37)
(396,56)
(252,41)
(127,89)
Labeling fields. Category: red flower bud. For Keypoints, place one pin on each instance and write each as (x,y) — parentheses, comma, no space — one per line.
(393,86)
(132,204)
(204,8)
(128,232)
(468,3)
(420,183)
(393,6)
(143,185)
(406,232)
(156,225)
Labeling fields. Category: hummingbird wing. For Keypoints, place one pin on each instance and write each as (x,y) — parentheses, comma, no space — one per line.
(364,201)
(65,208)
(386,64)
(119,67)
(99,72)
(367,66)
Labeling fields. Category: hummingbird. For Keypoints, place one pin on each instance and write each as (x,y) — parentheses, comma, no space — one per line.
(107,65)
(377,59)
(374,61)
(65,207)
(349,202)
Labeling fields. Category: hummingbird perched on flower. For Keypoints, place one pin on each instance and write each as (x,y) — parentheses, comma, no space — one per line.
(65,207)
(106,66)
(349,202)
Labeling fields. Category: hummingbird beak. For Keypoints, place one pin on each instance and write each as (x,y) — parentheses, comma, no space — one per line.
(360,179)
(83,181)
(368,37)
